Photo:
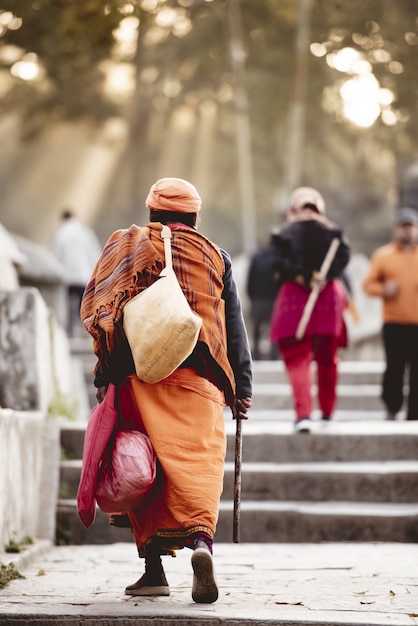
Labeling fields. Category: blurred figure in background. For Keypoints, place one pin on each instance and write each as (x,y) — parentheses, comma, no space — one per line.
(393,276)
(77,248)
(262,286)
(298,250)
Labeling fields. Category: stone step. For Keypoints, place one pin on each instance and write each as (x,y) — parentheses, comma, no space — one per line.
(339,441)
(82,346)
(70,530)
(353,479)
(320,521)
(276,442)
(272,522)
(390,481)
(340,415)
(350,372)
(278,396)
(72,439)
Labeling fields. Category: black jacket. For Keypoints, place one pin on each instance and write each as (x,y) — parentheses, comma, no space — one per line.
(300,248)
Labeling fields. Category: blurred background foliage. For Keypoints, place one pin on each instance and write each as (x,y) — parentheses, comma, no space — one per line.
(246,99)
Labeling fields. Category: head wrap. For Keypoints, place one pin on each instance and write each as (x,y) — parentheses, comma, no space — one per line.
(173,194)
(306,195)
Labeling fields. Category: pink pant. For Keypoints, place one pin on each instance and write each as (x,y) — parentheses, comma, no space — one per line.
(298,357)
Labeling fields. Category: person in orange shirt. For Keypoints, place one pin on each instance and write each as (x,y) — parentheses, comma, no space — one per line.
(393,276)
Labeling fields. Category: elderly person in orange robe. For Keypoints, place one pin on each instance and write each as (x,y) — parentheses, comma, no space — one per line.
(182,414)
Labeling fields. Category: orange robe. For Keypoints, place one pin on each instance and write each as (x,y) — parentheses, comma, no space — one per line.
(183,416)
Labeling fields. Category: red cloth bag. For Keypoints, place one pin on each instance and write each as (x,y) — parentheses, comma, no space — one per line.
(101,424)
(127,473)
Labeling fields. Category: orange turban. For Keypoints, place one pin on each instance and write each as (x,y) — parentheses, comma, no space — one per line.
(173,194)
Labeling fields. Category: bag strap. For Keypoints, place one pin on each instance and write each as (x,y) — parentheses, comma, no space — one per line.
(166,236)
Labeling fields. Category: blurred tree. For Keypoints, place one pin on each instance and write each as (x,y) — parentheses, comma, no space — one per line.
(53,51)
(163,65)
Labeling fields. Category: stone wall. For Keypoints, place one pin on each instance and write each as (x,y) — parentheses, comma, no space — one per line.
(30,455)
(36,368)
(35,358)
(25,351)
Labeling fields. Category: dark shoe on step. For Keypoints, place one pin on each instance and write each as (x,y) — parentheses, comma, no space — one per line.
(149,585)
(205,589)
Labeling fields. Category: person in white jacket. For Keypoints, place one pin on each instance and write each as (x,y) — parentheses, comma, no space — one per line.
(77,248)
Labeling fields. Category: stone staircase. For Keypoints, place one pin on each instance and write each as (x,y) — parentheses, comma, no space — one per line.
(354,479)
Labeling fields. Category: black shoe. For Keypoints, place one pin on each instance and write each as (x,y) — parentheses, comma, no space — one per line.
(205,589)
(148,585)
(326,418)
(153,582)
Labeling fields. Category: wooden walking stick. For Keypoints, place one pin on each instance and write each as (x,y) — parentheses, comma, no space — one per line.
(237,481)
(313,296)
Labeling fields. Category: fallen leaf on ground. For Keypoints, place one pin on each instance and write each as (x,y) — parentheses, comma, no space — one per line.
(293,603)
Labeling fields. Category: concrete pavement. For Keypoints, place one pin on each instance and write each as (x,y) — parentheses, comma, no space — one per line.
(373,584)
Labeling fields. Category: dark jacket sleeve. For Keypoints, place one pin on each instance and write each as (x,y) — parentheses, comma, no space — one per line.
(121,364)
(286,260)
(239,354)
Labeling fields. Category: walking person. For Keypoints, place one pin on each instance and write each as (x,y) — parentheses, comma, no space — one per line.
(262,286)
(182,414)
(393,276)
(298,250)
(77,248)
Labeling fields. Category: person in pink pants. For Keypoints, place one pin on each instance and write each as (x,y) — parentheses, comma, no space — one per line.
(298,250)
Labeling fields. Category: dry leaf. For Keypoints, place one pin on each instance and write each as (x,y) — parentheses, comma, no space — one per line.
(292,603)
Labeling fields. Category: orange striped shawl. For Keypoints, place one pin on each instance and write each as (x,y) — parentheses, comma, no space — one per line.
(125,267)
(132,260)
